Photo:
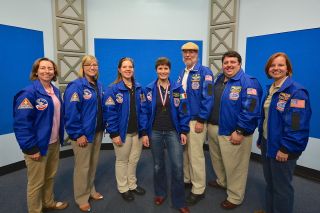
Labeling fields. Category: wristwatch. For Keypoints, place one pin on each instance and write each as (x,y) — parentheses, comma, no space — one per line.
(239,132)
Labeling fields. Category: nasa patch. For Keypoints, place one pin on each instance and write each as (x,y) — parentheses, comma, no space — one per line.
(119,98)
(87,94)
(41,104)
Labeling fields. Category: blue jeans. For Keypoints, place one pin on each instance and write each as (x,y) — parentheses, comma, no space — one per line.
(170,140)
(278,175)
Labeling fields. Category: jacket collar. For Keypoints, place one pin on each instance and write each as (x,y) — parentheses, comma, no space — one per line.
(39,87)
(122,86)
(285,84)
(173,85)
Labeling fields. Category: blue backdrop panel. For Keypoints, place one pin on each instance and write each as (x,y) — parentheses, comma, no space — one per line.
(144,54)
(19,48)
(303,49)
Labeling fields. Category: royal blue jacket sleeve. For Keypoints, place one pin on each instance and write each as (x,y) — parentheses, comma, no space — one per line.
(111,112)
(184,113)
(206,98)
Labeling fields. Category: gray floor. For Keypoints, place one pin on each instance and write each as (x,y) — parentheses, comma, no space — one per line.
(13,190)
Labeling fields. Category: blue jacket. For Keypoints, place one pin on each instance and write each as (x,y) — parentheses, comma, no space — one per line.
(80,106)
(116,109)
(199,92)
(33,111)
(178,107)
(288,119)
(240,104)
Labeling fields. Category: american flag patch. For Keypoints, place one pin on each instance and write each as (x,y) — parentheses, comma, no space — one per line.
(208,78)
(251,91)
(297,103)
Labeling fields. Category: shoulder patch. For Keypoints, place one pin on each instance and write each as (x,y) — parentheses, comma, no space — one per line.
(176,95)
(149,96)
(109,102)
(25,104)
(297,103)
(251,91)
(75,97)
(183,95)
(142,97)
(208,78)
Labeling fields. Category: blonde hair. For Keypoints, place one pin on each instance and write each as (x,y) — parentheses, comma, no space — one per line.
(35,67)
(87,59)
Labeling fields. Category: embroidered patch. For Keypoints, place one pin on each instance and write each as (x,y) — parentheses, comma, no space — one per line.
(42,104)
(297,103)
(281,105)
(142,97)
(179,79)
(119,98)
(236,89)
(284,96)
(251,91)
(195,85)
(176,102)
(208,78)
(183,95)
(195,77)
(234,93)
(25,104)
(109,102)
(87,94)
(149,96)
(176,95)
(75,97)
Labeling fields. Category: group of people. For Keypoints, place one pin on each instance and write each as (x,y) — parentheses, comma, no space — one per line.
(168,114)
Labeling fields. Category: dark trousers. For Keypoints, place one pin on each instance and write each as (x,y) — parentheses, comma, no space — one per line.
(170,140)
(279,189)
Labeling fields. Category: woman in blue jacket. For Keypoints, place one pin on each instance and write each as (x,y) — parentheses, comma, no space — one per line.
(168,126)
(284,132)
(122,115)
(38,126)
(84,125)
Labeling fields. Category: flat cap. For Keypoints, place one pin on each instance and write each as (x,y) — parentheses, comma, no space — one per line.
(190,46)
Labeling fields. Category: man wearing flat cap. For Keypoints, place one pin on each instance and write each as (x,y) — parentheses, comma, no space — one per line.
(197,81)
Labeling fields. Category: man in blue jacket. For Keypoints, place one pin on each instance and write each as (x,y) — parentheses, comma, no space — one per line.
(197,81)
(232,122)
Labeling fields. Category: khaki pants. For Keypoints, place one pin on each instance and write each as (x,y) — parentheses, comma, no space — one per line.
(127,157)
(41,179)
(194,167)
(230,163)
(85,166)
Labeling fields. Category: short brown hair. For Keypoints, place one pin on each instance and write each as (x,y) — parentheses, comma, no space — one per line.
(35,67)
(275,55)
(163,61)
(85,59)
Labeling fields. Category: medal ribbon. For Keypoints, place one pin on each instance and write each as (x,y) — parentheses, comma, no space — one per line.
(163,100)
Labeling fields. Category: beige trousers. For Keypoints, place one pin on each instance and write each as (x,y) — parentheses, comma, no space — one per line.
(230,163)
(194,167)
(127,157)
(41,179)
(85,166)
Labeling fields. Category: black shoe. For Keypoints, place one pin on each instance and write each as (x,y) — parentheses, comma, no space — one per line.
(187,185)
(192,199)
(139,190)
(127,196)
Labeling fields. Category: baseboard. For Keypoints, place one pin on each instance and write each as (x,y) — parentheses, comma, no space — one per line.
(301,171)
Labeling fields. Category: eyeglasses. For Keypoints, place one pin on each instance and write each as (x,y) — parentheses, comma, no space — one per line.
(46,68)
(91,65)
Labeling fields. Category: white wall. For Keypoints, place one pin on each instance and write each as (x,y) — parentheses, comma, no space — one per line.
(260,17)
(148,19)
(31,14)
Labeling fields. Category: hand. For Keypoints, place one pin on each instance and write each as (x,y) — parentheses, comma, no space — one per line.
(82,141)
(117,141)
(259,146)
(183,139)
(282,157)
(35,156)
(236,138)
(145,141)
(198,128)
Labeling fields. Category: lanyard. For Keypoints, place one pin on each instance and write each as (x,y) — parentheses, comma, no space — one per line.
(163,100)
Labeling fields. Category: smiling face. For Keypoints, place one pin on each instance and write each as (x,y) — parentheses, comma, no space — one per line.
(163,72)
(45,71)
(278,68)
(90,69)
(230,66)
(126,70)
(190,57)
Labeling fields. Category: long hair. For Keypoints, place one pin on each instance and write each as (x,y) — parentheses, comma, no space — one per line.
(119,76)
(35,67)
(88,59)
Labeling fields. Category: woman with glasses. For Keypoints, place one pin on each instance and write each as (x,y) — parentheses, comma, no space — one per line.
(38,126)
(84,125)
(122,114)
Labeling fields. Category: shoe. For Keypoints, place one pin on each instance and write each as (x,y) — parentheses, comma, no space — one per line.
(58,205)
(184,210)
(85,207)
(158,200)
(139,190)
(127,196)
(228,205)
(192,199)
(96,196)
(215,184)
(187,185)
